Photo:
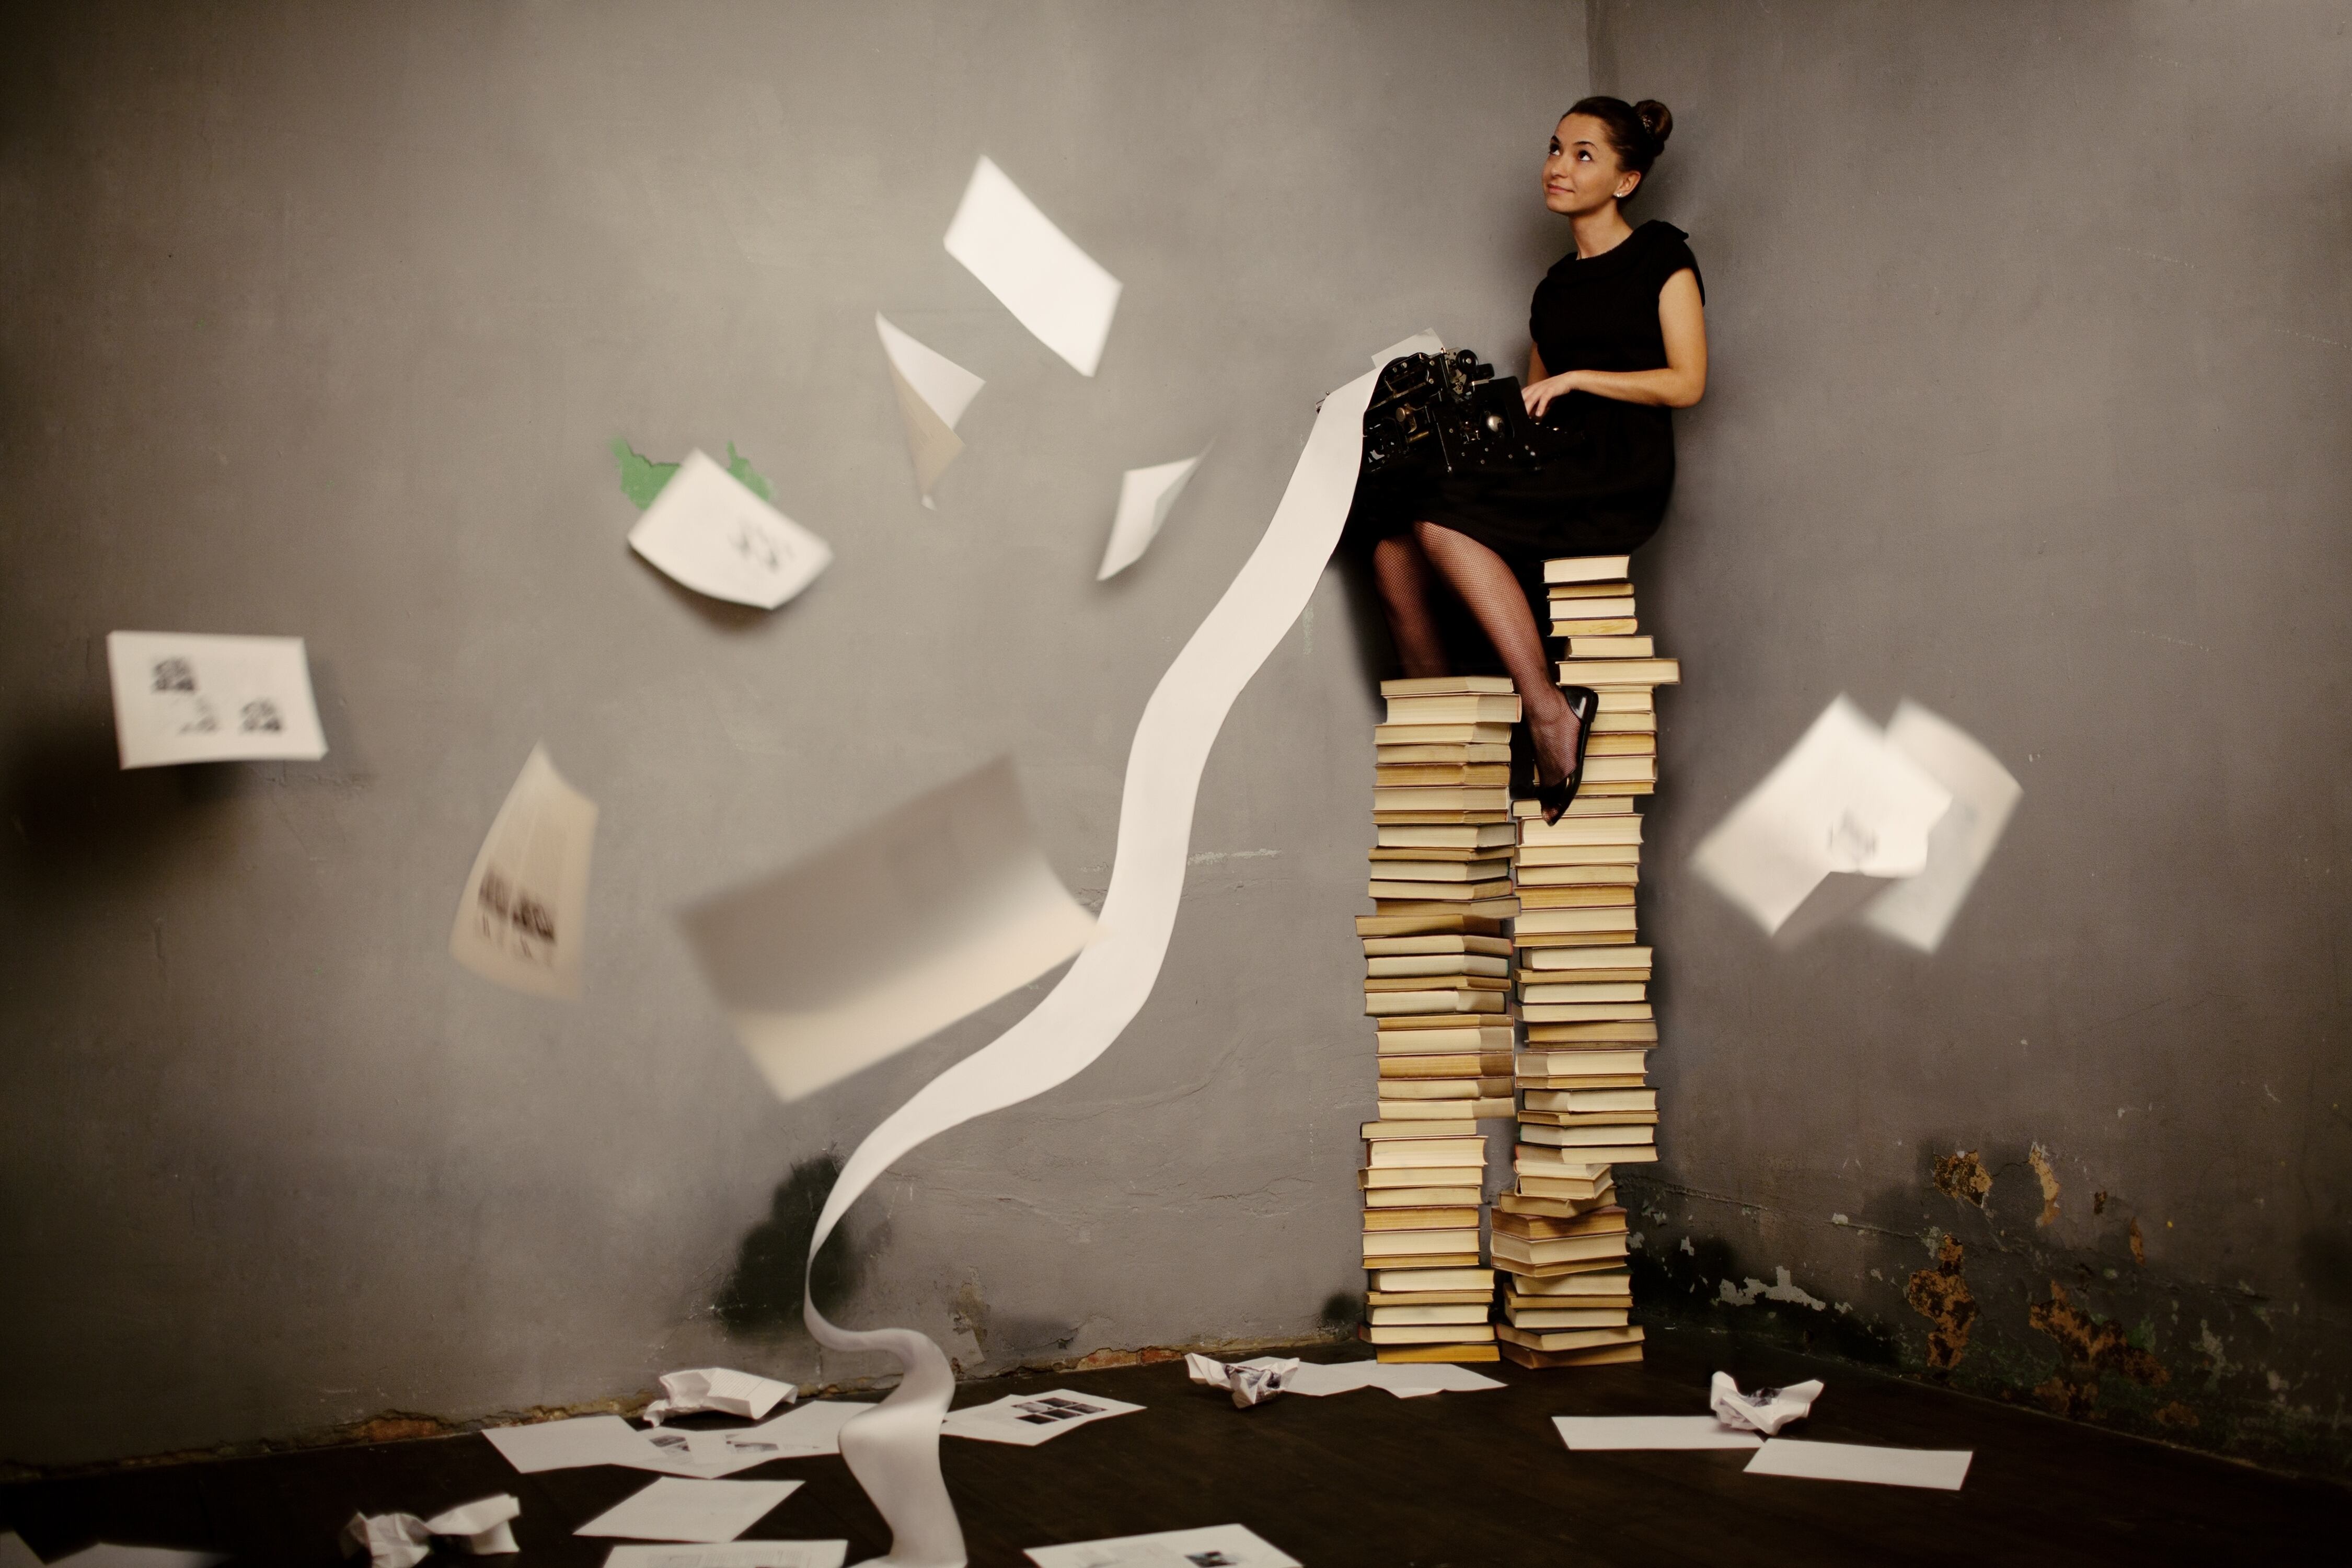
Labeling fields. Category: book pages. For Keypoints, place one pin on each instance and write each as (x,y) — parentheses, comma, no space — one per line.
(1054,288)
(185,697)
(708,531)
(523,913)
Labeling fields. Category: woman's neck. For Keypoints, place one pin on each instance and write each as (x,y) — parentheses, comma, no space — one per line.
(1603,228)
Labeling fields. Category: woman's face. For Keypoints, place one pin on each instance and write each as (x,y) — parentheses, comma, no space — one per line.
(1581,174)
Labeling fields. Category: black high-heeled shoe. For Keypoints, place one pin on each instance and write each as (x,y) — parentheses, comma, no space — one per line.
(1554,799)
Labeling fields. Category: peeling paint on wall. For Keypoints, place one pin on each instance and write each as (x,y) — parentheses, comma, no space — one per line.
(1941,1295)
(2091,1348)
(1962,1175)
(2039,1158)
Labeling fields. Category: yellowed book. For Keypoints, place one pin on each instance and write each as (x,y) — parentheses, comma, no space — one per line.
(1643,673)
(1611,647)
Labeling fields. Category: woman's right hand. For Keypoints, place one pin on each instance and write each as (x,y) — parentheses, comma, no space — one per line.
(1540,395)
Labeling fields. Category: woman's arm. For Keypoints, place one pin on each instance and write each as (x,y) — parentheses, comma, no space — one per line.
(1681,320)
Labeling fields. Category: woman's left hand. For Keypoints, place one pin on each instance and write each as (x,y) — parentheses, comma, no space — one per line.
(1539,394)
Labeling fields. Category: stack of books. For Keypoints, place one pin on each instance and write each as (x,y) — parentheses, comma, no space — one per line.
(1437,984)
(1585,1107)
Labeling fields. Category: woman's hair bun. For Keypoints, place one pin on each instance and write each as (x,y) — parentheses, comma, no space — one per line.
(1637,131)
(1656,119)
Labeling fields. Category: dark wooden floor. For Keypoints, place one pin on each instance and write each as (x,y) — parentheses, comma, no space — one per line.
(1359,1481)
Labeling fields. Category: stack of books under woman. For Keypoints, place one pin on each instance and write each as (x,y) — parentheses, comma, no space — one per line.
(1437,984)
(1559,1236)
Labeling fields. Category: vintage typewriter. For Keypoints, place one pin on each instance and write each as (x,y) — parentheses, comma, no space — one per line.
(1447,414)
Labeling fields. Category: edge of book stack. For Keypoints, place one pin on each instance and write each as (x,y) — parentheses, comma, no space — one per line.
(1559,1236)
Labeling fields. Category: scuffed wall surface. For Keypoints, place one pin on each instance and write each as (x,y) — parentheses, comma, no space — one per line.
(2031,392)
(320,322)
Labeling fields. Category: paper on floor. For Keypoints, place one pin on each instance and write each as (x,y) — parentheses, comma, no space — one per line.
(1249,1383)
(1942,1470)
(673,1508)
(933,391)
(1406,1380)
(709,531)
(1144,498)
(718,1388)
(1028,1419)
(1843,800)
(571,1444)
(927,912)
(1054,288)
(482,1527)
(1218,1546)
(390,1540)
(1601,1434)
(183,697)
(1424,342)
(14,1553)
(1767,1410)
(521,917)
(740,1554)
(813,1429)
(107,1555)
(1919,911)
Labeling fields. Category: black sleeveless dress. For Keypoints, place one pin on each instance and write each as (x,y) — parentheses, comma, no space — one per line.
(1603,486)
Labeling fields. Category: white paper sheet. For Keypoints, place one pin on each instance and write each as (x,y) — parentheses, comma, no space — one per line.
(1145,496)
(1941,1469)
(1424,342)
(813,1429)
(1841,800)
(184,697)
(1766,1410)
(1603,1434)
(1920,910)
(1218,1546)
(1026,1420)
(709,531)
(1054,288)
(1406,1380)
(484,1526)
(571,1444)
(927,912)
(740,1554)
(893,1450)
(720,1389)
(107,1555)
(390,1540)
(14,1553)
(1249,1382)
(673,1508)
(523,916)
(933,391)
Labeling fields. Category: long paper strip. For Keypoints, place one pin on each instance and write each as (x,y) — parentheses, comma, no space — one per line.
(893,1449)
(521,918)
(1919,910)
(183,697)
(708,531)
(1052,287)
(1145,496)
(933,391)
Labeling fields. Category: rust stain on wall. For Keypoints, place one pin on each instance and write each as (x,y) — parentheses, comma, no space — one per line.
(2039,1158)
(1941,1295)
(1962,1175)
(2176,1414)
(2090,1347)
(2138,1243)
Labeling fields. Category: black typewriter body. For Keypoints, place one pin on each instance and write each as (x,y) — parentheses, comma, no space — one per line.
(1446,414)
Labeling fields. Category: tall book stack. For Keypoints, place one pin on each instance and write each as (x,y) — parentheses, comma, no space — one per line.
(1560,1235)
(1437,982)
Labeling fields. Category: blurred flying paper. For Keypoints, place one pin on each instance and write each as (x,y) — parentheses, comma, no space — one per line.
(1052,287)
(1144,498)
(1843,800)
(1608,1433)
(1919,911)
(933,391)
(183,697)
(1424,342)
(1027,1420)
(923,915)
(1220,1545)
(673,1508)
(520,919)
(718,1388)
(740,1554)
(1767,1410)
(708,531)
(1942,1470)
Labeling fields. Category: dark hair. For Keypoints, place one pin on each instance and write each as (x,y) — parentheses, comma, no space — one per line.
(1637,131)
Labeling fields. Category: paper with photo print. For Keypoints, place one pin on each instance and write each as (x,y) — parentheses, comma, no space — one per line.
(186,696)
(709,531)
(1029,1419)
(1218,1546)
(520,919)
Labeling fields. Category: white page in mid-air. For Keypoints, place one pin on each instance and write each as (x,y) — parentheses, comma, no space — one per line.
(186,697)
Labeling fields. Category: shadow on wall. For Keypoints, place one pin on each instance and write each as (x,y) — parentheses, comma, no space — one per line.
(763,1292)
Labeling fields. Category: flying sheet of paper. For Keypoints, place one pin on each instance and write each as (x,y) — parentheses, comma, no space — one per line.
(1218,1546)
(673,1508)
(718,1388)
(1029,1419)
(933,391)
(1767,1410)
(1424,342)
(1144,498)
(1406,1380)
(708,531)
(1054,288)
(1842,800)
(1920,910)
(894,1449)
(184,697)
(1600,1434)
(522,916)
(927,912)
(1942,1470)
(740,1554)
(107,1555)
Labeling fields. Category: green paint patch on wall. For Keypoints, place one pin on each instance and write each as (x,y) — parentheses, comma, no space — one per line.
(642,479)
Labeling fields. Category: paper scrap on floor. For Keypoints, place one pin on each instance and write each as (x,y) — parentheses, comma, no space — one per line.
(481,1528)
(676,1508)
(522,913)
(184,697)
(1942,1470)
(571,1444)
(1056,290)
(894,932)
(1842,800)
(1918,910)
(1767,1410)
(719,1389)
(1217,1546)
(1249,1382)
(737,1554)
(106,1554)
(1603,1433)
(933,391)
(708,531)
(1145,496)
(1405,1379)
(802,1433)
(1029,1419)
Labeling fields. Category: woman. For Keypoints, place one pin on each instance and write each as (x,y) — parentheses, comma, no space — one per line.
(1620,337)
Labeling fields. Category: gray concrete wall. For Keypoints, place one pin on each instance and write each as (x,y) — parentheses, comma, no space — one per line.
(2032,391)
(319,320)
